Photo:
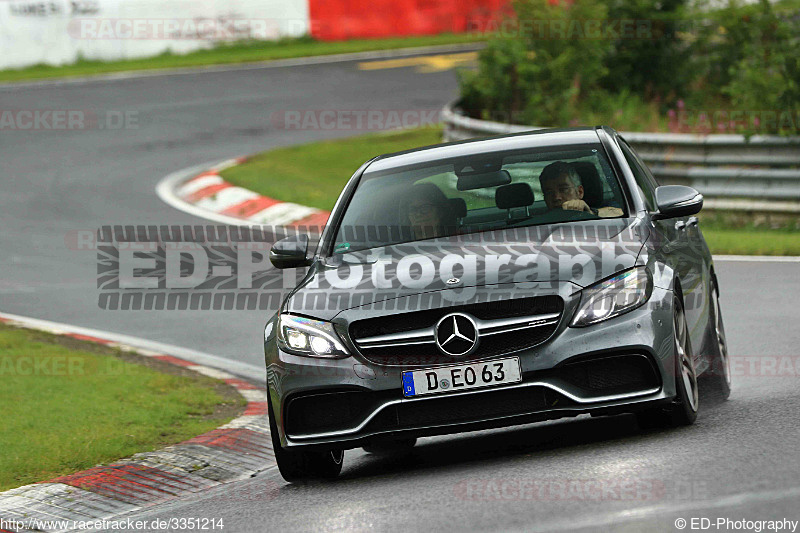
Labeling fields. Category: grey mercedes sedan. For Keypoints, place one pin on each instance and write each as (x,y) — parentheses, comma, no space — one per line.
(491,283)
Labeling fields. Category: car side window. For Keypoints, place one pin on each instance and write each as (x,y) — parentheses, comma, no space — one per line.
(645,182)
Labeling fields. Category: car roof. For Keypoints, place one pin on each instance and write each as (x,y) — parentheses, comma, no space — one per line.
(543,138)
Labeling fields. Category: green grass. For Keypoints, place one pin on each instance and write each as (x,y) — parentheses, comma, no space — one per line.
(68,406)
(314,175)
(242,52)
(752,242)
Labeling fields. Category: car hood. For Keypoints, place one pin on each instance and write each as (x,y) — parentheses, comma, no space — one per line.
(580,253)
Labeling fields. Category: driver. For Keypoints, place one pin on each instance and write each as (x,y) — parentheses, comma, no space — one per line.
(562,189)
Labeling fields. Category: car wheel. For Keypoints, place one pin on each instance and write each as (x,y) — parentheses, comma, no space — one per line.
(300,465)
(719,378)
(683,410)
(390,446)
(687,401)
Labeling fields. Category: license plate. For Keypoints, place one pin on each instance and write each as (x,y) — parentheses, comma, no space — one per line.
(461,377)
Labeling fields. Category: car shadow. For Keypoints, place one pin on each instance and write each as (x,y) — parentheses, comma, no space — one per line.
(491,446)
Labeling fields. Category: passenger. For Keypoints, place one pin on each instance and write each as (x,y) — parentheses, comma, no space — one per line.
(562,189)
(428,212)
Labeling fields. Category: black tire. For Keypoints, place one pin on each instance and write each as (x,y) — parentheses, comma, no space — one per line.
(718,379)
(390,446)
(687,400)
(683,410)
(302,465)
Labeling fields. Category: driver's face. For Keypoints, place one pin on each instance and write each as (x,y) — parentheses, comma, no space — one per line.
(559,190)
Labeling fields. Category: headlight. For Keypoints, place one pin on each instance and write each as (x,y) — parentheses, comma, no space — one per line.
(612,297)
(304,336)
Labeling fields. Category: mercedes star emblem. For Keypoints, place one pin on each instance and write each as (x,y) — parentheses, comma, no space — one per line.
(457,334)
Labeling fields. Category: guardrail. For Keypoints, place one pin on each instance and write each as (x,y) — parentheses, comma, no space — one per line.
(757,174)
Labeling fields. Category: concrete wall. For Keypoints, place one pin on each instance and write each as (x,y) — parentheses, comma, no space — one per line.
(57,32)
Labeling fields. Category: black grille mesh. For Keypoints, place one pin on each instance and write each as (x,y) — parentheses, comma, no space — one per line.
(490,345)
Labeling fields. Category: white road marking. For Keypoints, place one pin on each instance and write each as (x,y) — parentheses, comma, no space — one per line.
(166,191)
(196,184)
(228,163)
(225,198)
(254,395)
(211,372)
(282,213)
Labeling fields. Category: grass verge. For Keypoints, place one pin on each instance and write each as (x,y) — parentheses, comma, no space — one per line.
(235,53)
(314,175)
(70,405)
(752,241)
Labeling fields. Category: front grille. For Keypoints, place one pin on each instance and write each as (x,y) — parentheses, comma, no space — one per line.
(617,374)
(490,344)
(400,322)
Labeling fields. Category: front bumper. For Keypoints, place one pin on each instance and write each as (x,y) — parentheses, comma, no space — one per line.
(359,400)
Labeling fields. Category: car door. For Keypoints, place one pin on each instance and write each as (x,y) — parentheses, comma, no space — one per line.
(683,247)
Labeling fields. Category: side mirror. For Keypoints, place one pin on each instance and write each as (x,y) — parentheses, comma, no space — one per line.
(291,252)
(675,201)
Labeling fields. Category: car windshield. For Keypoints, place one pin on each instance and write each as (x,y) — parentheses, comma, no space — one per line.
(480,193)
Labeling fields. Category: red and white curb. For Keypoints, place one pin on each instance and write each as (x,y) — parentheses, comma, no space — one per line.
(234,451)
(205,193)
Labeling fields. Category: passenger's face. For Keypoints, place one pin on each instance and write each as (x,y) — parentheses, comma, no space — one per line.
(559,190)
(423,212)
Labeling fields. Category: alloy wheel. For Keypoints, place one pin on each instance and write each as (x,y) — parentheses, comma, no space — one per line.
(684,355)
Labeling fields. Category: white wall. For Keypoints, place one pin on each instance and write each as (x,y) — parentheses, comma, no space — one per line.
(58,32)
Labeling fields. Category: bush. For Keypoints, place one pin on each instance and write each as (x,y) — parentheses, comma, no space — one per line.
(528,76)
(547,73)
(766,79)
(657,66)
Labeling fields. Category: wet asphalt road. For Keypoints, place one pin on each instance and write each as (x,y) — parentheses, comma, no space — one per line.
(57,182)
(739,461)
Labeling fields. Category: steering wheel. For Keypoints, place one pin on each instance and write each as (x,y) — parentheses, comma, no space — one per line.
(555,216)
